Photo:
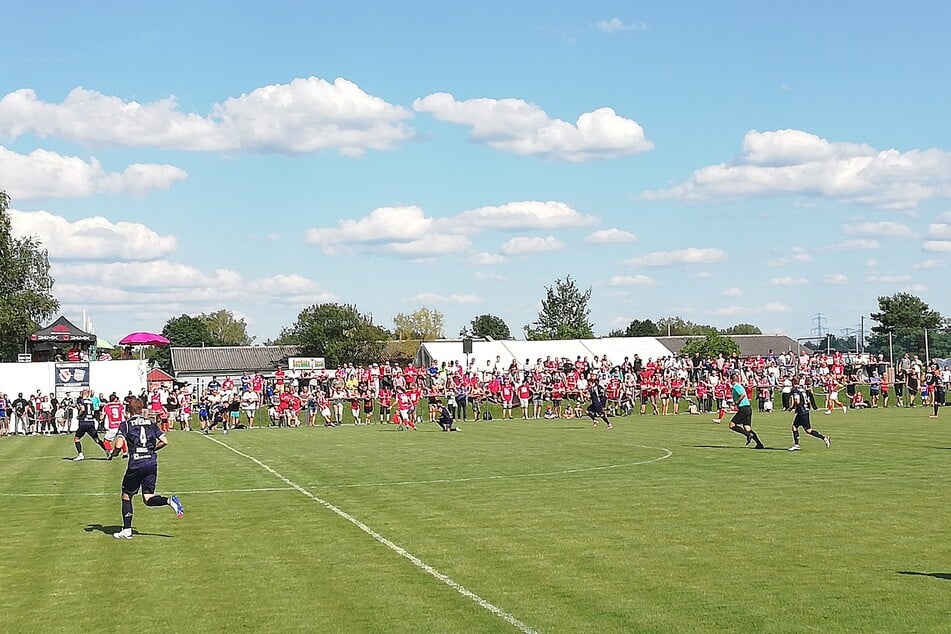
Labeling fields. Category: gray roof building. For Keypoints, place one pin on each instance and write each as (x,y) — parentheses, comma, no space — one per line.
(750,345)
(229,360)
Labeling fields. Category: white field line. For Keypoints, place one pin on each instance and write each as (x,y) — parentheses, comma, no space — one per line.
(116,492)
(416,561)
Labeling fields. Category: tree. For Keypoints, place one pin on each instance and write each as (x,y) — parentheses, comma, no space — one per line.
(26,298)
(680,327)
(487,326)
(712,345)
(339,333)
(182,331)
(742,329)
(225,329)
(423,324)
(906,317)
(641,328)
(564,314)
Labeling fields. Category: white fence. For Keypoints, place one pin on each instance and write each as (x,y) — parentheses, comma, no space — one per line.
(104,376)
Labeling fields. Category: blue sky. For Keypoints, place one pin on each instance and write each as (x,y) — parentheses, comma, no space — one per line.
(725,162)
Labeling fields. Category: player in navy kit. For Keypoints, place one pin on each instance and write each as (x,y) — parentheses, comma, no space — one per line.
(87,426)
(143,439)
(596,407)
(800,405)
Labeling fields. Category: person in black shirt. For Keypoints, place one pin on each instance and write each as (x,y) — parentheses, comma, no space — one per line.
(19,417)
(445,419)
(937,388)
(143,439)
(87,427)
(800,405)
(596,406)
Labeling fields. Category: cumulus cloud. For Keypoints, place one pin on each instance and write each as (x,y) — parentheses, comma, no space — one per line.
(797,255)
(731,311)
(614,25)
(523,245)
(305,115)
(611,236)
(93,238)
(530,214)
(930,264)
(789,281)
(937,246)
(793,162)
(941,231)
(856,244)
(690,255)
(835,279)
(435,298)
(518,127)
(886,229)
(632,280)
(888,279)
(776,307)
(915,288)
(385,224)
(486,258)
(436,244)
(732,292)
(45,174)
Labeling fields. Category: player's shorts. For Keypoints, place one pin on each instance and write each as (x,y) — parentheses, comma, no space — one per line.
(523,402)
(384,410)
(404,414)
(645,399)
(802,420)
(86,428)
(743,416)
(143,478)
(556,402)
(833,396)
(234,415)
(597,410)
(325,412)
(112,433)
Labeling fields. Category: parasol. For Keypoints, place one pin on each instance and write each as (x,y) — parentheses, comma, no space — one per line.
(144,339)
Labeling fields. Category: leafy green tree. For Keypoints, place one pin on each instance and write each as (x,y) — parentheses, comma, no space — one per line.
(905,317)
(423,324)
(564,314)
(487,326)
(680,327)
(26,299)
(742,329)
(182,331)
(641,328)
(225,329)
(711,345)
(339,333)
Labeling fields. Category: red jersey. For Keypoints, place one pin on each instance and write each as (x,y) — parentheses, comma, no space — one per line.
(114,413)
(507,393)
(524,391)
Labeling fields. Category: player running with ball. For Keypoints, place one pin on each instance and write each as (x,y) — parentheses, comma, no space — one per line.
(800,405)
(742,421)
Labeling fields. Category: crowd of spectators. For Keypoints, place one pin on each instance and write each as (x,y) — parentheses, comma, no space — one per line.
(545,388)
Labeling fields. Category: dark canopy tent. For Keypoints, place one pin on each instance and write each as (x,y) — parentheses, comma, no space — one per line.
(61,334)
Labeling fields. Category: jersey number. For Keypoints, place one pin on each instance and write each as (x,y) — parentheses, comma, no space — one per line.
(143,439)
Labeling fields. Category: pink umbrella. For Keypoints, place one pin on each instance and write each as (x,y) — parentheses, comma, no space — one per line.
(144,339)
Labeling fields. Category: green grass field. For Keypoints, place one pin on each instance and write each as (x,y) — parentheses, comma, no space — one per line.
(659,525)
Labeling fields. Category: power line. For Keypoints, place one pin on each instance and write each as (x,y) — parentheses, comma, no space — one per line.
(818,320)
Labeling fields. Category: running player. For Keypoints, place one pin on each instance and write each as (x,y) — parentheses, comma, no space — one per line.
(936,382)
(596,406)
(144,439)
(742,421)
(114,413)
(87,426)
(800,405)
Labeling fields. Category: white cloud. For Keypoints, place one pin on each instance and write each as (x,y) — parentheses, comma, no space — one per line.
(797,255)
(730,311)
(835,279)
(306,115)
(930,264)
(885,229)
(941,231)
(703,275)
(776,307)
(530,214)
(522,245)
(690,255)
(93,238)
(793,162)
(871,263)
(611,236)
(855,244)
(915,288)
(44,174)
(614,25)
(732,292)
(486,258)
(789,281)
(436,244)
(435,298)
(382,224)
(887,279)
(518,127)
(632,280)
(490,277)
(937,246)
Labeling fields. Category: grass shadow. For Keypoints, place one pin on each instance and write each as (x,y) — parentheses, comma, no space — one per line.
(736,447)
(109,530)
(936,575)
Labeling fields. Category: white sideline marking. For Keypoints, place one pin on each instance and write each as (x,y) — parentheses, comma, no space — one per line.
(667,454)
(399,550)
(116,492)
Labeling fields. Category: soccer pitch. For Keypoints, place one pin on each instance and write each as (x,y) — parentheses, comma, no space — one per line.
(658,525)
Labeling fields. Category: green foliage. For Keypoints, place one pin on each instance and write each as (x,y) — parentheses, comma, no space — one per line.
(564,314)
(712,344)
(339,333)
(487,326)
(906,317)
(183,331)
(742,329)
(26,299)
(641,328)
(225,329)
(423,324)
(680,327)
